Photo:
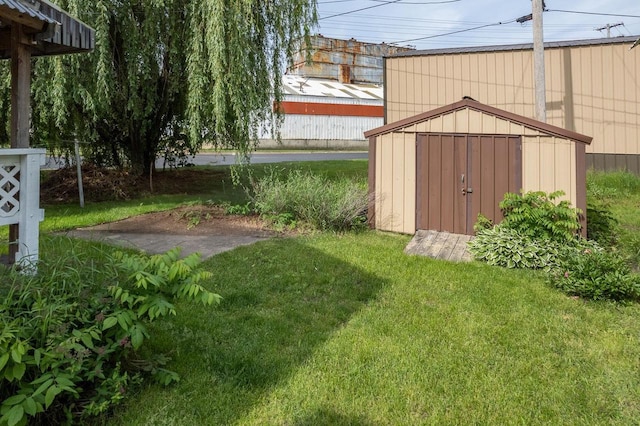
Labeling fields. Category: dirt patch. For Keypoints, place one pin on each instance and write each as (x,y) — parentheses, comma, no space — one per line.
(104,184)
(192,220)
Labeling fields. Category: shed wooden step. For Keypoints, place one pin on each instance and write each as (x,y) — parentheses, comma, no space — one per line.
(440,245)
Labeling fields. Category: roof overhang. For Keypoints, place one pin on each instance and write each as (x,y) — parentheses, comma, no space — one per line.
(486,109)
(517,47)
(50,30)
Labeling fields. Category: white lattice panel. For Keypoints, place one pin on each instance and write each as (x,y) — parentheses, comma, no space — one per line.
(9,188)
(20,199)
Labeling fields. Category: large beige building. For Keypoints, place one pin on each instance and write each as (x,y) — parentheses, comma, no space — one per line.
(592,88)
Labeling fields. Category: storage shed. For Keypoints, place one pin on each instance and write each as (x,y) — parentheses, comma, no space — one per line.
(438,170)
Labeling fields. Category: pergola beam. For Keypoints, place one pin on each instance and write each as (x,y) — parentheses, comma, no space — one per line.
(22,18)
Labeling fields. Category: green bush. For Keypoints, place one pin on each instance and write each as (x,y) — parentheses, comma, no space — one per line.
(534,234)
(72,333)
(601,225)
(539,234)
(337,205)
(537,215)
(510,248)
(597,275)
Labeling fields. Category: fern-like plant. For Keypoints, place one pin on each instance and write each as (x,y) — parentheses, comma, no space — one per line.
(537,215)
(69,345)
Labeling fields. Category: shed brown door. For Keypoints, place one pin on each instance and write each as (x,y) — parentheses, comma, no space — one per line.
(459,176)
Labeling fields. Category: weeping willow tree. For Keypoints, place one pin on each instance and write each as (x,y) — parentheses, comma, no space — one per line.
(168,74)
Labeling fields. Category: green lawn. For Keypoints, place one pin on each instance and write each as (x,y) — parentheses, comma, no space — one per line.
(348,330)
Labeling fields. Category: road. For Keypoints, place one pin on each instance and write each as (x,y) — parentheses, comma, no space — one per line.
(218,159)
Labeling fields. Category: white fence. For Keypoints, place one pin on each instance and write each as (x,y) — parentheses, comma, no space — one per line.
(20,199)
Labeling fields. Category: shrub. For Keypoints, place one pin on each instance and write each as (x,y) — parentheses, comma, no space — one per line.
(597,275)
(325,204)
(601,225)
(509,248)
(537,215)
(72,334)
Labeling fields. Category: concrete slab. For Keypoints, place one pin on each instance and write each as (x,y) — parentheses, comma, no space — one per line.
(206,245)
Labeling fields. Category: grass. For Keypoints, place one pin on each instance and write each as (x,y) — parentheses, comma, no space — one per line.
(621,192)
(348,330)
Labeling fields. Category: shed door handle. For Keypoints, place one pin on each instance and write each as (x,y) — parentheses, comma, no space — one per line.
(466,191)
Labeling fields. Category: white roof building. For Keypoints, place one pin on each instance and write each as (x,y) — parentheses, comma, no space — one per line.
(322,113)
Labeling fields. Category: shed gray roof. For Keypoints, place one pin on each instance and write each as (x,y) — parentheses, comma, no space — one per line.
(54,30)
(511,47)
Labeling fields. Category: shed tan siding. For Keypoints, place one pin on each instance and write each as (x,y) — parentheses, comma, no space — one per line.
(593,89)
(395,196)
(548,163)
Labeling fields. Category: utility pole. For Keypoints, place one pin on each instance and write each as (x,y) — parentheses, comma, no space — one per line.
(608,28)
(538,61)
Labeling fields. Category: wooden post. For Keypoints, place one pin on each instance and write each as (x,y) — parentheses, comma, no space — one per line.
(20,105)
(20,87)
(76,147)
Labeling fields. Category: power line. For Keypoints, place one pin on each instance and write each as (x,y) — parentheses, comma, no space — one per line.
(457,31)
(382,3)
(358,10)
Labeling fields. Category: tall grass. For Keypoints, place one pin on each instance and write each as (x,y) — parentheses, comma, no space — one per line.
(619,193)
(311,198)
(612,184)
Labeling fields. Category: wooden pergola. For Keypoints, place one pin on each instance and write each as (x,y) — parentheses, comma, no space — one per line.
(32,28)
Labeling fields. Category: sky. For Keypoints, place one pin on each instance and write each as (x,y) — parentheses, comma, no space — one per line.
(423,24)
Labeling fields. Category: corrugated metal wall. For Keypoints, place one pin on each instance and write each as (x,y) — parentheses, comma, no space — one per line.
(363,60)
(593,90)
(325,127)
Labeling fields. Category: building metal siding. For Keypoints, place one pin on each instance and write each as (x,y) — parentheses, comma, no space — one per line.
(337,59)
(326,127)
(324,108)
(332,100)
(320,113)
(592,86)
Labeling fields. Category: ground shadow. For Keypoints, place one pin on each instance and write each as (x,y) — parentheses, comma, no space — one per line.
(282,299)
(327,417)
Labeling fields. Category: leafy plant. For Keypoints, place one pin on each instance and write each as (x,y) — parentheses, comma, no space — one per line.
(239,209)
(509,248)
(537,215)
(70,345)
(601,224)
(482,223)
(194,217)
(597,275)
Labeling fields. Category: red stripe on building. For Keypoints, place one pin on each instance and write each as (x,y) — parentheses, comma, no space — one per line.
(312,108)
